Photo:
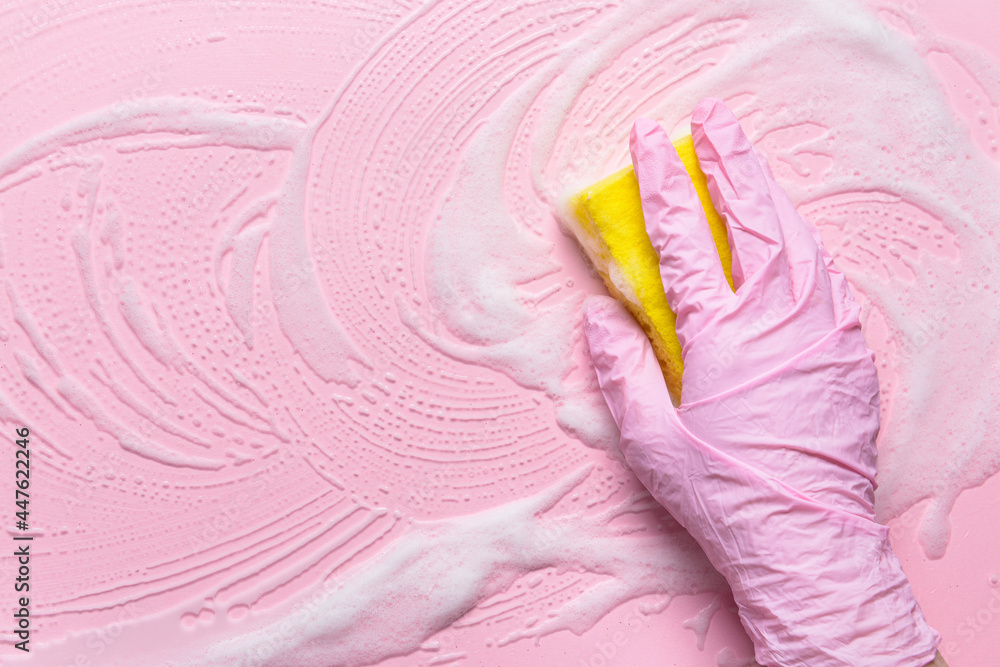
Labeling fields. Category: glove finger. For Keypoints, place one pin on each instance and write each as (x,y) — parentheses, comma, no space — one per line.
(627,370)
(808,261)
(739,192)
(692,275)
(844,303)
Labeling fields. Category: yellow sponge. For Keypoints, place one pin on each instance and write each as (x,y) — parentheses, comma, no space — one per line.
(607,220)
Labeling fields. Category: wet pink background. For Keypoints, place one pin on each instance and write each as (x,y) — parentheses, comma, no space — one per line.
(960,593)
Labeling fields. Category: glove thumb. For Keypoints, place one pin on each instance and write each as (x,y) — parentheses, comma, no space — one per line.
(627,371)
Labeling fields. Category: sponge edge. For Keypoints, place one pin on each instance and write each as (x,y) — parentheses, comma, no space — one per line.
(606,219)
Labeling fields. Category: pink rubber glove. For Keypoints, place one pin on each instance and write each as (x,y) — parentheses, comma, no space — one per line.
(769,462)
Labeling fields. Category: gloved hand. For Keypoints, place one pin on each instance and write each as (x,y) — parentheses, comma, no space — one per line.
(769,462)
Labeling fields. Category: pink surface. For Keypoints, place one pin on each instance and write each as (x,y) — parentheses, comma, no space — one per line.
(285,303)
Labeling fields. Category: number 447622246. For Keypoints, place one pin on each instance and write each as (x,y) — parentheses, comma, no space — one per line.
(22,477)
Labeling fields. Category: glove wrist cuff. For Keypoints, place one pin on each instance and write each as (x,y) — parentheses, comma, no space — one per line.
(850,605)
